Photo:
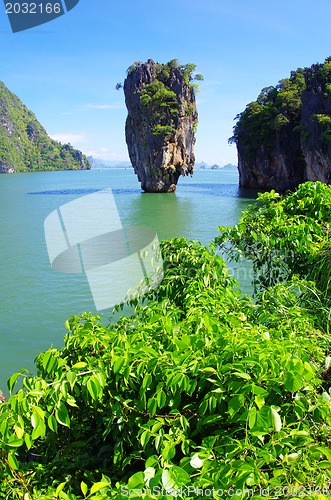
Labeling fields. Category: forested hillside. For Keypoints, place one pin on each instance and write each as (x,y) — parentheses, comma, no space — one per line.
(25,145)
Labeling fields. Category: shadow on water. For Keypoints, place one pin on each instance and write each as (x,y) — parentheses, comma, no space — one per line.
(218,189)
(83,191)
(247,193)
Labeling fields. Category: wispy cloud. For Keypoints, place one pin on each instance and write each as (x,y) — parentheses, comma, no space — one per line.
(107,154)
(71,137)
(211,83)
(104,106)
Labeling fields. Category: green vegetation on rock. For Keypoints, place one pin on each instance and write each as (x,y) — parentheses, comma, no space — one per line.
(25,145)
(201,388)
(284,137)
(161,104)
(276,108)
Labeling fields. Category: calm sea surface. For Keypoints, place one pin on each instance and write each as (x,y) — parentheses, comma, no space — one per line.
(35,300)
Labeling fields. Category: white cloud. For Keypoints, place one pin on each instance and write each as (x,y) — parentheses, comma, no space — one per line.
(71,137)
(104,106)
(107,154)
(211,83)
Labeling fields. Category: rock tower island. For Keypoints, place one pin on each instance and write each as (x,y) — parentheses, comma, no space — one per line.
(161,123)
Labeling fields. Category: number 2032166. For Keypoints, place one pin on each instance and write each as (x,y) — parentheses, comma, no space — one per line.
(33,8)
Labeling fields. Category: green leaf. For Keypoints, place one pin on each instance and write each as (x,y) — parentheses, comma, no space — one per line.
(151,406)
(235,404)
(252,417)
(13,462)
(52,423)
(92,388)
(276,420)
(144,438)
(49,361)
(84,488)
(13,379)
(147,380)
(117,366)
(62,416)
(136,481)
(197,462)
(79,366)
(174,478)
(324,464)
(203,407)
(60,488)
(15,443)
(98,486)
(149,473)
(161,399)
(292,382)
(71,377)
(28,441)
(169,451)
(35,419)
(243,375)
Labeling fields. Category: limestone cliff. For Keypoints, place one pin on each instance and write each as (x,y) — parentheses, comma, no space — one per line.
(161,123)
(316,123)
(284,137)
(25,145)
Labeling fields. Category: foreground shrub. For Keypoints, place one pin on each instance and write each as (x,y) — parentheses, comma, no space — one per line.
(201,388)
(284,236)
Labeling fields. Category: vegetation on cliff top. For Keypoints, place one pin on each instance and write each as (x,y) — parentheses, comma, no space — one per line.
(201,388)
(24,143)
(278,109)
(160,102)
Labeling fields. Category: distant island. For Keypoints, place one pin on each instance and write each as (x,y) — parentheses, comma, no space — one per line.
(284,137)
(25,145)
(202,165)
(99,163)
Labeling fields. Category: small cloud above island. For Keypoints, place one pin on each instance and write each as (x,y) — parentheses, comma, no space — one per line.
(70,137)
(104,106)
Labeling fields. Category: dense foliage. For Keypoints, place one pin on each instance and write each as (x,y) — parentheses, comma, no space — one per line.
(200,388)
(277,111)
(285,236)
(24,143)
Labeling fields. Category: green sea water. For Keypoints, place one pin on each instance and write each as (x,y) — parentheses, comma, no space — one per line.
(35,300)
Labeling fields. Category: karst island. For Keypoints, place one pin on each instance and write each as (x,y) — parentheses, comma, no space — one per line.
(284,137)
(161,123)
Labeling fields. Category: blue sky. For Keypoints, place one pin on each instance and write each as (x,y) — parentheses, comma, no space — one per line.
(65,71)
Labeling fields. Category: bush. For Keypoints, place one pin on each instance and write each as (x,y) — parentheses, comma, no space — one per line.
(282,235)
(200,388)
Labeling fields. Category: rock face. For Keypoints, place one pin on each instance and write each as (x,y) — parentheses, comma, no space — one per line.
(316,123)
(25,145)
(161,123)
(284,138)
(281,168)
